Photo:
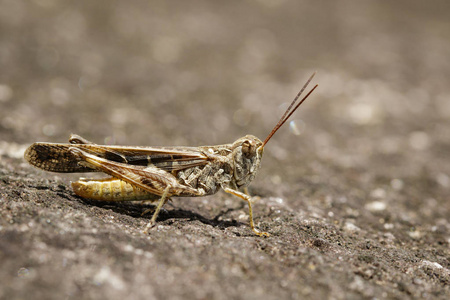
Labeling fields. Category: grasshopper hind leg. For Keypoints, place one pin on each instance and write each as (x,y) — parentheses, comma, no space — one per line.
(78,140)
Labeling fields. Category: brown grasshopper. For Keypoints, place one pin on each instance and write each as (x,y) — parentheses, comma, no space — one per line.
(158,173)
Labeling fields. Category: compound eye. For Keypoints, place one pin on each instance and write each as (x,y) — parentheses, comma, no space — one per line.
(248,149)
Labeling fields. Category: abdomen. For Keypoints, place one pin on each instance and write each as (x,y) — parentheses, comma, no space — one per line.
(110,189)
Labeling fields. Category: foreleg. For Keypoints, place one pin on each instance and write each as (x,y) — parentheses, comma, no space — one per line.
(250,210)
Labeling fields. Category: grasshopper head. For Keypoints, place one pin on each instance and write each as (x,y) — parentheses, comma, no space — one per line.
(247,151)
(247,154)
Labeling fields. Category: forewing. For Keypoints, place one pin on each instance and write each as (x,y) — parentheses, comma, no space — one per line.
(58,158)
(167,159)
(55,158)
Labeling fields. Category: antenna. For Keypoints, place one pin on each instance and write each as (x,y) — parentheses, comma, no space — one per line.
(289,111)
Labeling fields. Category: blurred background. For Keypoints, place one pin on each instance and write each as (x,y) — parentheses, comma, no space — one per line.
(354,189)
(199,72)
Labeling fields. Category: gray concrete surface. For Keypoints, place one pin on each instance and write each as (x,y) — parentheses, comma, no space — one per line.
(355,190)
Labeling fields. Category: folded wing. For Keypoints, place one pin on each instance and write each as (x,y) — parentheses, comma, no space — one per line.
(58,158)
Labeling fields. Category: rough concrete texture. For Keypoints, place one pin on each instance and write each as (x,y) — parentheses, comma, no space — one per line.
(355,190)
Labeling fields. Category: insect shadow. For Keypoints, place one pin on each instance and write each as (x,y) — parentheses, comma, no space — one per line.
(139,210)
